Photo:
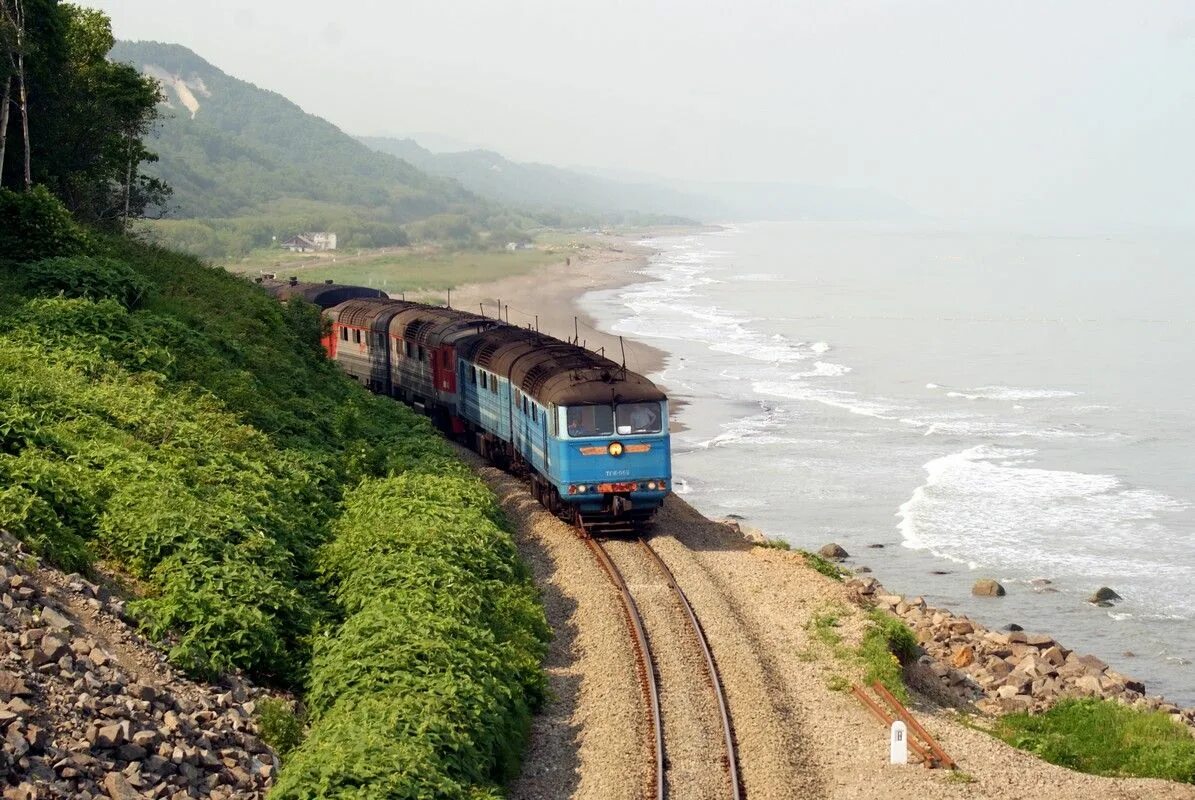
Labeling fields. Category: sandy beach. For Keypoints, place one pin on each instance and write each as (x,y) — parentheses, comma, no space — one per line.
(546,298)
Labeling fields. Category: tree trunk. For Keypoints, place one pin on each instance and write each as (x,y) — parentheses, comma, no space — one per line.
(4,124)
(128,187)
(25,121)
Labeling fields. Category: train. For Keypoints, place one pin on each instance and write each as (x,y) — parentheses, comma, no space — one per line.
(591,435)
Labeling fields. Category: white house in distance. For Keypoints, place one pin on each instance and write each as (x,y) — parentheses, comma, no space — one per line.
(310,242)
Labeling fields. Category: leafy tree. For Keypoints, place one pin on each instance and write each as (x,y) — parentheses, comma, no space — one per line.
(86,116)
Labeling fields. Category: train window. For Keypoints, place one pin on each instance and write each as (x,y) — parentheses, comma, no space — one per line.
(422,353)
(638,418)
(407,350)
(590,421)
(526,410)
(357,337)
(473,373)
(534,415)
(494,383)
(344,333)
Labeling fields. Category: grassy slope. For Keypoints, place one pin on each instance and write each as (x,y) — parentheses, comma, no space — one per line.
(175,421)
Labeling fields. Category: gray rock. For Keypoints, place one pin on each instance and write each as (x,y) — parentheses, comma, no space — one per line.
(118,787)
(833,551)
(1104,595)
(986,587)
(54,619)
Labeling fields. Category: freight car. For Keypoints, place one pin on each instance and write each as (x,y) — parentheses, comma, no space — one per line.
(592,435)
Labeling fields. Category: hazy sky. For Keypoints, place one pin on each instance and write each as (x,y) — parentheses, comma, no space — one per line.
(1069,112)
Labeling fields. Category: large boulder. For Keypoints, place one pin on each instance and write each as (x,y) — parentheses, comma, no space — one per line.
(834,551)
(986,587)
(1104,595)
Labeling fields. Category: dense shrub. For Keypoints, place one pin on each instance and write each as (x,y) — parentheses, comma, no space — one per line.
(426,688)
(91,278)
(34,225)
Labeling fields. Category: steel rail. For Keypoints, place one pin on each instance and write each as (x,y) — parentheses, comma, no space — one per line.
(711,667)
(647,673)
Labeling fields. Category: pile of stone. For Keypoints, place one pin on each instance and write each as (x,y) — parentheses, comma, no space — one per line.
(89,710)
(1006,671)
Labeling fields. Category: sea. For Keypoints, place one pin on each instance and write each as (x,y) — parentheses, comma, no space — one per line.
(947,405)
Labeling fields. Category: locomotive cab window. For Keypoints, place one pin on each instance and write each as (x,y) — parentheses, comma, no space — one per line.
(638,418)
(344,334)
(494,383)
(473,373)
(590,421)
(357,337)
(406,349)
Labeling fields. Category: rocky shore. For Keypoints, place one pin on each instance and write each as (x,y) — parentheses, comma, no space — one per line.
(1000,672)
(90,710)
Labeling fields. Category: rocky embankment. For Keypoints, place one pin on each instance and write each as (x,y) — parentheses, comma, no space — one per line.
(90,710)
(1006,671)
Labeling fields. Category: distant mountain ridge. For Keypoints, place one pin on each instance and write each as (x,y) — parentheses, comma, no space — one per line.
(230,148)
(546,187)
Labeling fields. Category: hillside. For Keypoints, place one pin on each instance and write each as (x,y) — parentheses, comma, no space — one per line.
(170,431)
(232,150)
(542,187)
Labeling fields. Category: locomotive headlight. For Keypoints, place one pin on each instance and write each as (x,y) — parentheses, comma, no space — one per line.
(582,489)
(651,485)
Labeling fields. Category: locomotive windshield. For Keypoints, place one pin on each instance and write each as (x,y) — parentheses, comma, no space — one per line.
(625,419)
(637,418)
(590,421)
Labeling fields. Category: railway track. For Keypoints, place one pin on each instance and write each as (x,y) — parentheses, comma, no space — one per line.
(669,779)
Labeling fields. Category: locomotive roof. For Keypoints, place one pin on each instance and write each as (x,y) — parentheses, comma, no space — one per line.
(554,371)
(324,295)
(432,324)
(366,311)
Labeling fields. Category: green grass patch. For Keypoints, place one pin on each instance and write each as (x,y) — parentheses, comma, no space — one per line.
(409,270)
(887,645)
(774,544)
(1104,737)
(822,565)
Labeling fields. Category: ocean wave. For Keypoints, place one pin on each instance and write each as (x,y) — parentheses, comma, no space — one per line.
(1010,393)
(848,401)
(824,369)
(992,506)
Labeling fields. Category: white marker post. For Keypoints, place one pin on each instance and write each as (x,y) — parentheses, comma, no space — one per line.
(898,744)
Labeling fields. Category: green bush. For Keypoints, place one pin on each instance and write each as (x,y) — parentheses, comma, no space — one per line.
(90,278)
(34,225)
(280,724)
(888,645)
(435,669)
(1105,738)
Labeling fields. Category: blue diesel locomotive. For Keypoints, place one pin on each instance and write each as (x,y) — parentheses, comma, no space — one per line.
(592,435)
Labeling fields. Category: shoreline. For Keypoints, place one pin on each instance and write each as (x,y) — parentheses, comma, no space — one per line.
(549,297)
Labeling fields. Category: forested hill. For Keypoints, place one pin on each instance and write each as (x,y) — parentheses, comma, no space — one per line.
(230,149)
(541,187)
